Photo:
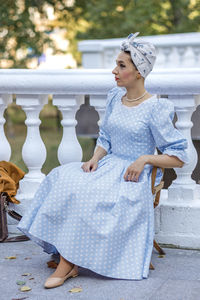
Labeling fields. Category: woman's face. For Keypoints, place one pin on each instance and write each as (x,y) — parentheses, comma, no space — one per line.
(125,72)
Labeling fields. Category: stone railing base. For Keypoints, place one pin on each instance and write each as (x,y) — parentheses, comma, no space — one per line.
(177,224)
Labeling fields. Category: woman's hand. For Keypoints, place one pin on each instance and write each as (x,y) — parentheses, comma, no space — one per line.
(135,169)
(90,166)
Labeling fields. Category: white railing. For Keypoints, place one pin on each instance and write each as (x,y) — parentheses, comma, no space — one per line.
(174,51)
(68,87)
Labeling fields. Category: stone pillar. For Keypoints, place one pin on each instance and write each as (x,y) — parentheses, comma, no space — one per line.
(34,155)
(184,187)
(69,149)
(181,52)
(99,102)
(166,52)
(33,151)
(5,150)
(196,52)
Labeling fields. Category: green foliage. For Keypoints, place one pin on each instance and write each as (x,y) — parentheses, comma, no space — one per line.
(117,18)
(20,37)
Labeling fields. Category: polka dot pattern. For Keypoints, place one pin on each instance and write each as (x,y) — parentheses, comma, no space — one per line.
(97,220)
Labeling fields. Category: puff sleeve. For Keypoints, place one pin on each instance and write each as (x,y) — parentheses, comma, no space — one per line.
(167,138)
(104,137)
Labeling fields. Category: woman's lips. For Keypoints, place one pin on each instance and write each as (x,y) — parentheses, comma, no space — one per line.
(116,78)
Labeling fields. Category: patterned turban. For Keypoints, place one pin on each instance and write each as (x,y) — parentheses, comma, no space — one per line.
(143,54)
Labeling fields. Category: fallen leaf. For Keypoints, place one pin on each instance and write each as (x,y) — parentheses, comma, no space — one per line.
(161,256)
(27,258)
(31,278)
(52,264)
(25,288)
(20,282)
(76,290)
(26,274)
(10,257)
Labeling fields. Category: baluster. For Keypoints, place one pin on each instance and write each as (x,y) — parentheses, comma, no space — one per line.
(5,150)
(69,149)
(166,51)
(99,102)
(181,52)
(109,55)
(33,151)
(196,52)
(184,187)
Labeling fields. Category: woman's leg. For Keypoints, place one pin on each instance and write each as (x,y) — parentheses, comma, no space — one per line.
(63,268)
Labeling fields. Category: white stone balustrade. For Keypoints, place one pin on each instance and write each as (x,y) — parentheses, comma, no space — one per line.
(177,217)
(178,50)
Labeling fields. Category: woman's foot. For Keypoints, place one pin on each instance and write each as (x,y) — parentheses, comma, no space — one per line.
(64,270)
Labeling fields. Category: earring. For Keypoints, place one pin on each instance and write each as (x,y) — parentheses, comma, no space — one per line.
(138,76)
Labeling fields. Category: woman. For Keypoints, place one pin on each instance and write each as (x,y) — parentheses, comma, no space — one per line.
(99,214)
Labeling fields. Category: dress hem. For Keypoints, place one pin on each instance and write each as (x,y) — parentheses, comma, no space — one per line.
(72,261)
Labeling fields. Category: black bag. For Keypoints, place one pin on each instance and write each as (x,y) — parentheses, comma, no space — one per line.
(4,209)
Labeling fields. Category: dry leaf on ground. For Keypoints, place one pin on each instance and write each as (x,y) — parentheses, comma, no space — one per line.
(52,264)
(76,290)
(25,288)
(10,257)
(26,274)
(161,256)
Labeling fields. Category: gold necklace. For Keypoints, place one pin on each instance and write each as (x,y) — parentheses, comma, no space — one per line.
(132,100)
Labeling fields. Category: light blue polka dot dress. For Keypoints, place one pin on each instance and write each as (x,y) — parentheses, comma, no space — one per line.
(98,220)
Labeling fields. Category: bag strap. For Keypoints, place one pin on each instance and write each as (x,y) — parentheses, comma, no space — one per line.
(154,172)
(156,189)
(11,213)
(18,238)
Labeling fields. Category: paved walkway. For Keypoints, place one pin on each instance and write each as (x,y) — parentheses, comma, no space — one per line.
(176,277)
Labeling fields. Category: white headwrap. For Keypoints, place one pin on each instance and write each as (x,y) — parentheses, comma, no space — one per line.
(143,54)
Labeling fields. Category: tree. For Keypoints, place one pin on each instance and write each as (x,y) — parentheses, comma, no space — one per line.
(24,31)
(117,18)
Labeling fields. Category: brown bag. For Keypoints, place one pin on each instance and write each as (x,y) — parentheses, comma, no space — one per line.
(4,209)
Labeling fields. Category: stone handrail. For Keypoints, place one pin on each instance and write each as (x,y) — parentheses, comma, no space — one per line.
(68,88)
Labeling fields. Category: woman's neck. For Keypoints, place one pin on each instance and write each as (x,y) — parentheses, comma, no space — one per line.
(135,92)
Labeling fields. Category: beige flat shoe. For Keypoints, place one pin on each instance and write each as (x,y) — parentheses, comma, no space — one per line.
(53,282)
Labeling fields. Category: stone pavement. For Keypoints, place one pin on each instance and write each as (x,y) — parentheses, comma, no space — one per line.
(176,277)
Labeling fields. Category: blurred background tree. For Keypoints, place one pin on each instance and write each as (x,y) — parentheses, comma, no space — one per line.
(25,26)
(21,39)
(117,18)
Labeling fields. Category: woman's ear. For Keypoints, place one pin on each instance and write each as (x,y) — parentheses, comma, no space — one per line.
(138,76)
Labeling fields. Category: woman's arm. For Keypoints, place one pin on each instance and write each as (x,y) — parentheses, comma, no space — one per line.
(92,164)
(163,161)
(98,154)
